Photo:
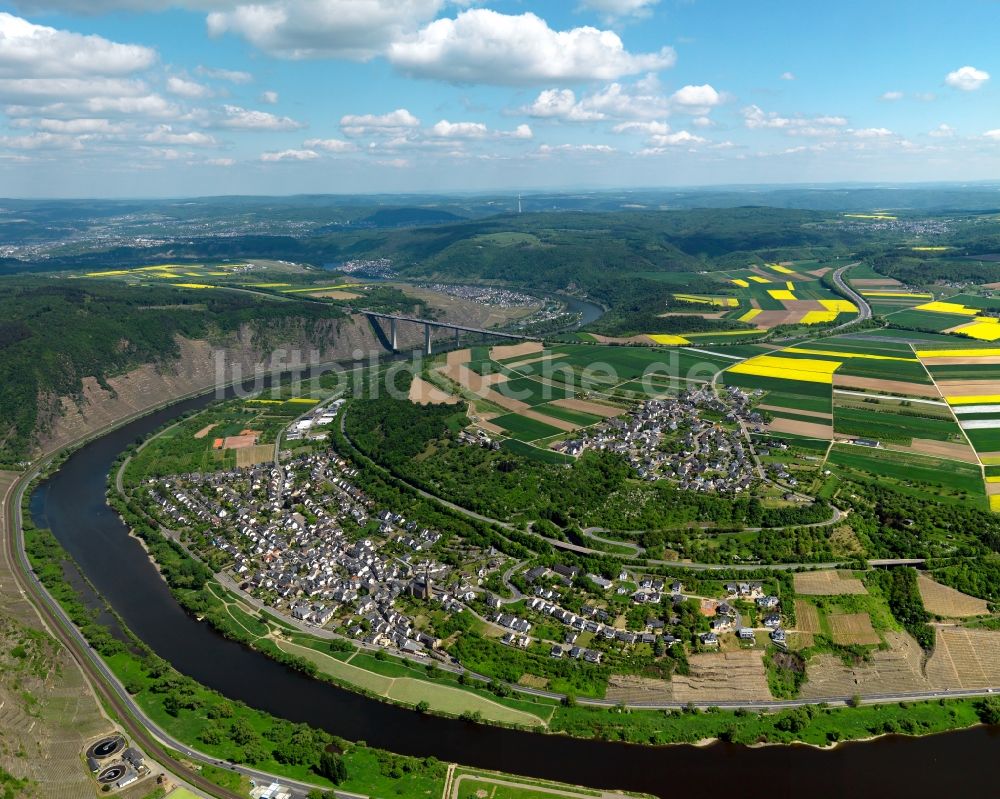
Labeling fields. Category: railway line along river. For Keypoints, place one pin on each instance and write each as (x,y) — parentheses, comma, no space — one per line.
(72,504)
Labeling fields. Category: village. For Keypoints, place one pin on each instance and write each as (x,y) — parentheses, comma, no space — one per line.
(304,541)
(697,440)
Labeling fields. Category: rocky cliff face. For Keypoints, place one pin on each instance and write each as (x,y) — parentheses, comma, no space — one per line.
(203,364)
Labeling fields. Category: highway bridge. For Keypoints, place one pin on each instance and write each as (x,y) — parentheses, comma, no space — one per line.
(429,324)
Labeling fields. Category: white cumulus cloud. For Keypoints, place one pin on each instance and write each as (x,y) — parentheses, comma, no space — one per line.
(696,100)
(289,155)
(485,46)
(330,145)
(190,89)
(366,124)
(269,97)
(165,134)
(755,118)
(237,118)
(967,79)
(36,51)
(297,29)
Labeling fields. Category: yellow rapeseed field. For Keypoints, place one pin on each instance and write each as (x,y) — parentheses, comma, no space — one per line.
(781,294)
(983,329)
(976,399)
(759,279)
(740,282)
(838,354)
(750,315)
(810,370)
(782,269)
(663,338)
(947,307)
(840,306)
(192,285)
(818,317)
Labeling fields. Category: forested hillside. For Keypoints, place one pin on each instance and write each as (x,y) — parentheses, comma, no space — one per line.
(54,334)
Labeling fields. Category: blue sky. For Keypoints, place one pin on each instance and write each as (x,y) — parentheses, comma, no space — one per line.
(196,97)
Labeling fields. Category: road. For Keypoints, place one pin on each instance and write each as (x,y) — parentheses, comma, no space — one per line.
(864,309)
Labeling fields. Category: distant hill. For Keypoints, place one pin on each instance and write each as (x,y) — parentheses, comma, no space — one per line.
(399,217)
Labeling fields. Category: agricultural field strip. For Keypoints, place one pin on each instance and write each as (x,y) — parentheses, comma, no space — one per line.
(958,421)
(980,432)
(888,397)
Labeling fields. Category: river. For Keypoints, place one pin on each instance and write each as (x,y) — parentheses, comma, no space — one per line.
(71,503)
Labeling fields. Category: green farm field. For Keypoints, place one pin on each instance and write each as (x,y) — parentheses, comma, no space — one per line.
(907,468)
(523,428)
(871,423)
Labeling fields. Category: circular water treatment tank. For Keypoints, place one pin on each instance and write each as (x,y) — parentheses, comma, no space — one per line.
(106,747)
(111,774)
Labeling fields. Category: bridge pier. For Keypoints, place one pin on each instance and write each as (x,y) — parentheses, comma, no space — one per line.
(457,337)
(427,340)
(392,335)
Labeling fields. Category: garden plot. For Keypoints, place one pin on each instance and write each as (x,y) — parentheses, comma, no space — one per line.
(852,628)
(828,583)
(941,600)
(807,618)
